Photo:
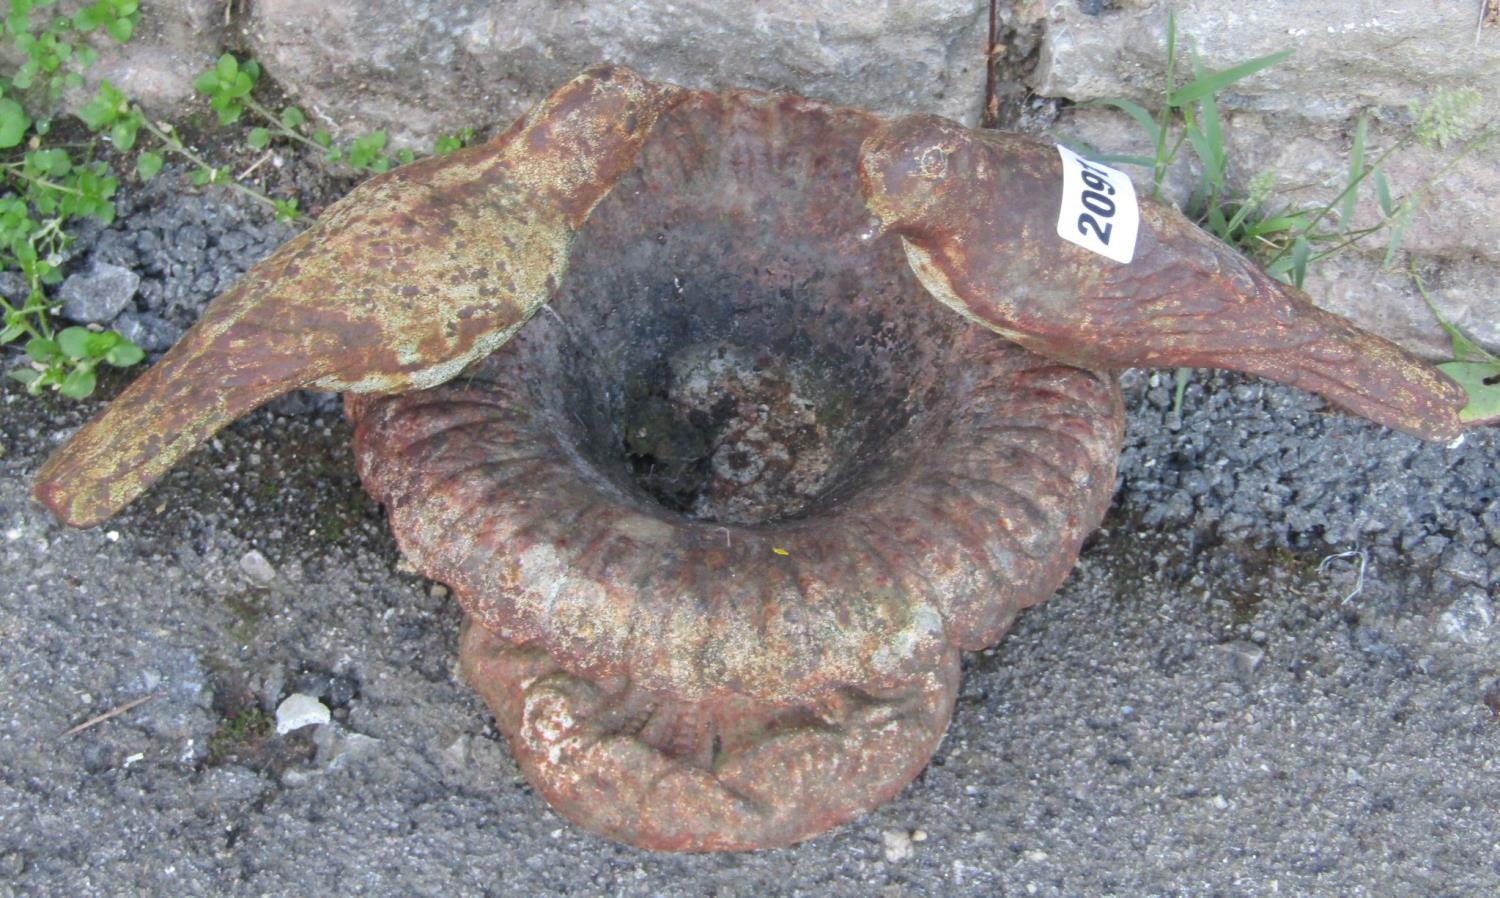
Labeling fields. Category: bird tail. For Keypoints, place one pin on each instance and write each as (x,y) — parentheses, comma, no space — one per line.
(1363,374)
(194,391)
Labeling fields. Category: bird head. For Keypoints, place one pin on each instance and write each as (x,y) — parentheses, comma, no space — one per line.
(587,134)
(910,166)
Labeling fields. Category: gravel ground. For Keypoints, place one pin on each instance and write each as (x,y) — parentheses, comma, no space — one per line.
(1274,671)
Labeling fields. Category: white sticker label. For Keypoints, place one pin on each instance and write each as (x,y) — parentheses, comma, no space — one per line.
(1099,210)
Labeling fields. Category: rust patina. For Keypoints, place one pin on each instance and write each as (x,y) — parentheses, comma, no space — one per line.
(723,522)
(407,279)
(724,519)
(977,214)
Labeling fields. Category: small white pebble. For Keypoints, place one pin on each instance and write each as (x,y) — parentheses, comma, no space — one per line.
(1220,802)
(13,534)
(113,536)
(897,845)
(255,566)
(299,710)
(919,835)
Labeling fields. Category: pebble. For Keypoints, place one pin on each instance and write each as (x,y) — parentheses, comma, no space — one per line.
(1244,657)
(898,845)
(149,332)
(255,566)
(338,748)
(299,710)
(13,287)
(1469,619)
(99,294)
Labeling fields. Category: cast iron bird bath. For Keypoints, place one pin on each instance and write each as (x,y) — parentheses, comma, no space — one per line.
(723,520)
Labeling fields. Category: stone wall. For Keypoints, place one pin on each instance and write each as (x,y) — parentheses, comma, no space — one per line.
(419,69)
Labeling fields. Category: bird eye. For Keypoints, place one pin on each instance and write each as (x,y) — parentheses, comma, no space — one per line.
(933,163)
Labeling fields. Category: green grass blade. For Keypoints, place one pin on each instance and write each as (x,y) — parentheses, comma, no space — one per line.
(1213,135)
(1276,224)
(1383,192)
(1356,174)
(1301,250)
(1399,223)
(1213,82)
(1463,348)
(1138,113)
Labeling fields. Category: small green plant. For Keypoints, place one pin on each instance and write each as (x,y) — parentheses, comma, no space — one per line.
(229,86)
(45,188)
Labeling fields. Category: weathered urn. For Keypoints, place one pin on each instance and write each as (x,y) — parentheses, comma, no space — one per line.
(724,517)
(723,521)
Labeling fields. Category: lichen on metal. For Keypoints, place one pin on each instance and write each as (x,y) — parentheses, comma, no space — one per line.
(725,519)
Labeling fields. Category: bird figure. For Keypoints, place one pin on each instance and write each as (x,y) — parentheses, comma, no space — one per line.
(399,286)
(981,215)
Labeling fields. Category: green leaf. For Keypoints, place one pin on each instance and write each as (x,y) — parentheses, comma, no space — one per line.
(226,68)
(1213,82)
(88,18)
(75,342)
(124,354)
(41,349)
(1481,380)
(1356,174)
(1275,224)
(258,138)
(79,383)
(1383,192)
(54,162)
(322,138)
(14,123)
(27,376)
(206,83)
(1399,223)
(147,164)
(291,117)
(122,135)
(119,29)
(1137,112)
(1464,349)
(1301,252)
(1210,146)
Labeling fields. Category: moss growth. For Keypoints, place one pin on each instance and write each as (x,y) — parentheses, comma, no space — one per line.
(240,730)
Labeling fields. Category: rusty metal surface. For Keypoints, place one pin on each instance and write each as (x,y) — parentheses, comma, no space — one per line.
(724,775)
(678,666)
(411,276)
(978,211)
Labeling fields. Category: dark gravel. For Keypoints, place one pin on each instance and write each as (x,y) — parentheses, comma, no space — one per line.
(1275,671)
